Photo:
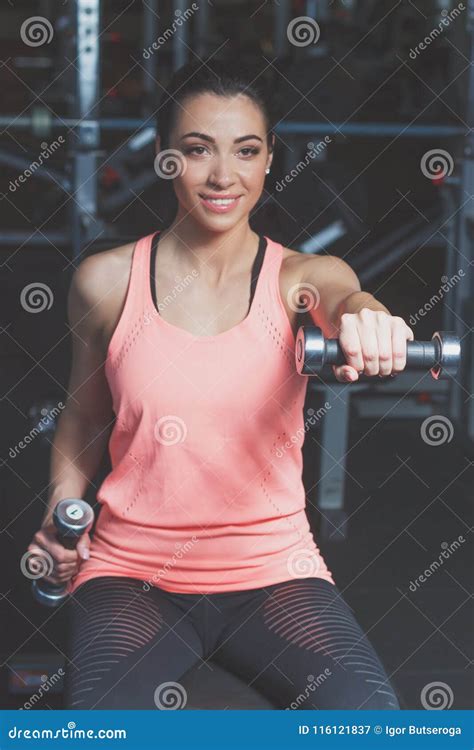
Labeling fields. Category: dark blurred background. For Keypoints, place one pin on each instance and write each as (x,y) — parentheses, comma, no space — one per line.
(388,470)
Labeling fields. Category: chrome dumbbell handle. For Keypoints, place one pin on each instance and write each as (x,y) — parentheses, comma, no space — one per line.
(441,355)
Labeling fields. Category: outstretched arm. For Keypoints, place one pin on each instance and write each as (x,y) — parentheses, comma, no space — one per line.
(373,340)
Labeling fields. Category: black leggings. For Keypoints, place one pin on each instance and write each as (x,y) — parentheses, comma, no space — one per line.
(296,642)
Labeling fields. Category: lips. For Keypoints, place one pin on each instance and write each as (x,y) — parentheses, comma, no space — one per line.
(218,197)
(212,205)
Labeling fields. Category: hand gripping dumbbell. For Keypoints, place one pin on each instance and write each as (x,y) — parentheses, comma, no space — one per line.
(71,517)
(441,355)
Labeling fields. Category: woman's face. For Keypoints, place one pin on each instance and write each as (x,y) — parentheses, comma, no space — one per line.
(224,147)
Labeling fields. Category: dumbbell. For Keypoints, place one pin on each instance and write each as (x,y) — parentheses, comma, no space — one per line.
(441,355)
(71,517)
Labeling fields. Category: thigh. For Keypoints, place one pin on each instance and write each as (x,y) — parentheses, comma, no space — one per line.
(302,647)
(125,644)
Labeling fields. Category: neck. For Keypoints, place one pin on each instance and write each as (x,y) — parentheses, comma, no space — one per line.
(216,255)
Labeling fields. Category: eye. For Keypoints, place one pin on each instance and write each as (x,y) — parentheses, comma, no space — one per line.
(253,151)
(192,149)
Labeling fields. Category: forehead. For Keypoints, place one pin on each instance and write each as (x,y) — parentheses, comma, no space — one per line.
(220,116)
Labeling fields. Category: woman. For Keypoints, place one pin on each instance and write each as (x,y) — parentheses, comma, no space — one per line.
(202,547)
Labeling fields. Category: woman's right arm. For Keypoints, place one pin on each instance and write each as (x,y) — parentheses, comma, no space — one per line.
(83,427)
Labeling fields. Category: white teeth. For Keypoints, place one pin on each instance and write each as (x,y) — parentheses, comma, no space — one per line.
(222,201)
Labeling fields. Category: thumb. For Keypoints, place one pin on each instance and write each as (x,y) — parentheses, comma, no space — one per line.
(83,546)
(345,373)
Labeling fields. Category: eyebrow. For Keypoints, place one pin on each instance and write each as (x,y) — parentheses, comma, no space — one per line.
(211,140)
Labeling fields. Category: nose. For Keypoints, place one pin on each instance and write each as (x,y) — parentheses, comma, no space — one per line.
(221,174)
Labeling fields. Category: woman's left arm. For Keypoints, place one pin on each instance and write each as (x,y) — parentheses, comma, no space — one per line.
(373,340)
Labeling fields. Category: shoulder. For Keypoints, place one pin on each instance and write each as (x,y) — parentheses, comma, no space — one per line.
(317,269)
(99,283)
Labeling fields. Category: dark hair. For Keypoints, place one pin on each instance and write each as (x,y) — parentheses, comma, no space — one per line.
(226,78)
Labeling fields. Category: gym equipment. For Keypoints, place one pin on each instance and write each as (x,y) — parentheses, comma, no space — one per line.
(441,355)
(71,517)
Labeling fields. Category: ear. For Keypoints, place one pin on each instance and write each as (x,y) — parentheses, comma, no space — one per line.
(272,152)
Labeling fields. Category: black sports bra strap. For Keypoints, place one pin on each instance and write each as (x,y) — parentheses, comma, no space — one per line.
(154,246)
(256,267)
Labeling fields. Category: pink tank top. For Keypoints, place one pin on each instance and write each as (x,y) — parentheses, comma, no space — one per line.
(205,493)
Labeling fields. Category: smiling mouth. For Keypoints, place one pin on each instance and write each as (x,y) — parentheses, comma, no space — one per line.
(221,201)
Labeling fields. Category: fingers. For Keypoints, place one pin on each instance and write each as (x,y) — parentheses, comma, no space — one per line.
(349,341)
(400,334)
(384,335)
(50,543)
(61,564)
(374,343)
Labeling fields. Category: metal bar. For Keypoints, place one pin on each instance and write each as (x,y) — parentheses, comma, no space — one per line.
(282,19)
(180,36)
(462,406)
(369,129)
(84,205)
(150,34)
